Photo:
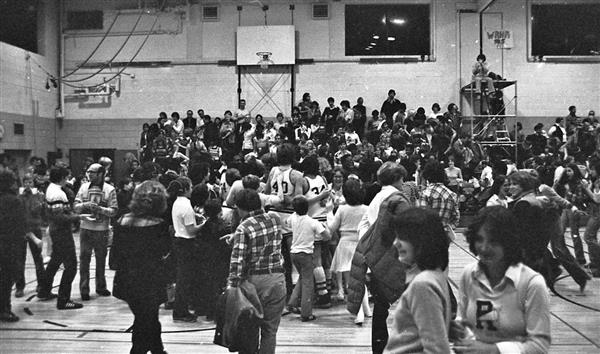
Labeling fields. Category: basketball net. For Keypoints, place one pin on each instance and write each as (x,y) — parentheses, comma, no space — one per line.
(265,60)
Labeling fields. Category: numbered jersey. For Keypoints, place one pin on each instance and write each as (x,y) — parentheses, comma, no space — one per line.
(281,182)
(315,187)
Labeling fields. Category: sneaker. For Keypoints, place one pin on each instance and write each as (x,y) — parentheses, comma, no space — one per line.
(103,292)
(69,305)
(185,318)
(8,317)
(85,297)
(46,296)
(339,297)
(19,293)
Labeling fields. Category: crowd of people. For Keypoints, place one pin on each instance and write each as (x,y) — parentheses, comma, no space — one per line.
(326,207)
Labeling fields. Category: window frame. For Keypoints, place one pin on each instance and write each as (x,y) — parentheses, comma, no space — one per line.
(554,58)
(405,57)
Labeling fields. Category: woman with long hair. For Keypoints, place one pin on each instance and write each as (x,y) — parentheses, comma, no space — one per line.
(498,192)
(569,186)
(140,245)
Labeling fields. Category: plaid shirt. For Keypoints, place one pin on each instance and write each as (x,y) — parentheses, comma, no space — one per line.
(256,246)
(441,199)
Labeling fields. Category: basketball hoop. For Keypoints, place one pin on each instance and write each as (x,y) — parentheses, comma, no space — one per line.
(265,60)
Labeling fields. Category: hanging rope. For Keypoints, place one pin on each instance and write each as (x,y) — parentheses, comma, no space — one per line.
(104,65)
(94,51)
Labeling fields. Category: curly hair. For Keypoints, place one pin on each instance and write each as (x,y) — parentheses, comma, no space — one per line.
(149,199)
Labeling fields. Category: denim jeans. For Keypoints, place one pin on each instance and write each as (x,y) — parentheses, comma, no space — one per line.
(271,292)
(38,260)
(572,219)
(305,286)
(591,239)
(96,241)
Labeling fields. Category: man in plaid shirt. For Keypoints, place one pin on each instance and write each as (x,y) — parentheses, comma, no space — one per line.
(439,198)
(256,256)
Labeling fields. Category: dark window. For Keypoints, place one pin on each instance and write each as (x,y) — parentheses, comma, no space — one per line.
(565,30)
(84,20)
(388,30)
(18,23)
(320,11)
(210,12)
(19,129)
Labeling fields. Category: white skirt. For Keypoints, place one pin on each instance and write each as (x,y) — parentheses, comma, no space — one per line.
(342,259)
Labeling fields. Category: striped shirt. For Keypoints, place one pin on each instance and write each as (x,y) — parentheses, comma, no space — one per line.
(256,246)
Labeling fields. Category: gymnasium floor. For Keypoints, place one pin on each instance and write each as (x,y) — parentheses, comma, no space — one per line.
(100,326)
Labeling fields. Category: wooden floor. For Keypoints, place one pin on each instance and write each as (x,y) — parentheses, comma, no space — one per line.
(100,326)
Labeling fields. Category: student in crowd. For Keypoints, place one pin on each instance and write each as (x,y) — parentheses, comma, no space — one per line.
(186,230)
(61,219)
(439,197)
(12,237)
(499,192)
(33,202)
(256,255)
(213,256)
(375,251)
(304,232)
(503,303)
(141,242)
(423,314)
(345,224)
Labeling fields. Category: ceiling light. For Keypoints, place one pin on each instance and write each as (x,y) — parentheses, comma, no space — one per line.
(383,20)
(391,39)
(373,43)
(375,37)
(398,21)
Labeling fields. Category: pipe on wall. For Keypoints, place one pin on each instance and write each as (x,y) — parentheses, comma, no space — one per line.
(481,11)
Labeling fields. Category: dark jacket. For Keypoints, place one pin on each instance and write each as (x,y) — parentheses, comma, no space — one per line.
(375,251)
(137,255)
(238,318)
(34,207)
(533,216)
(12,220)
(537,219)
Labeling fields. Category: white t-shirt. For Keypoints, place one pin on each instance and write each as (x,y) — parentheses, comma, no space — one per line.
(247,142)
(352,138)
(241,113)
(183,214)
(304,230)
